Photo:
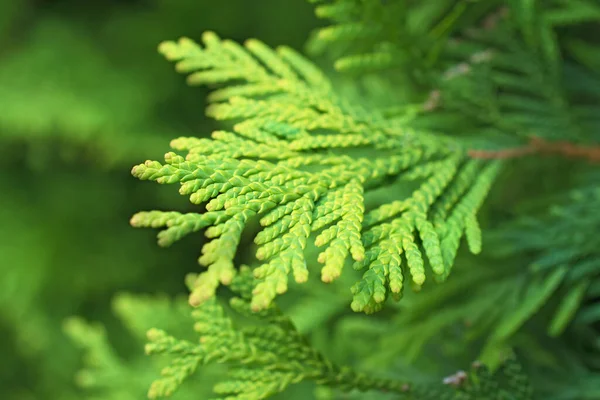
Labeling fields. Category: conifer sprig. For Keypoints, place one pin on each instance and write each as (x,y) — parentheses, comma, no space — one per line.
(268,356)
(264,359)
(379,35)
(262,354)
(287,164)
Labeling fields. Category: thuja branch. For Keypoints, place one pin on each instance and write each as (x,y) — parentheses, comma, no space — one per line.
(538,145)
(347,379)
(264,358)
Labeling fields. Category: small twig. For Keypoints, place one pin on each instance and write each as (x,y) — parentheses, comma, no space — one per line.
(540,146)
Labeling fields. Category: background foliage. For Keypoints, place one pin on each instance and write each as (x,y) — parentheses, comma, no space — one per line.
(84,96)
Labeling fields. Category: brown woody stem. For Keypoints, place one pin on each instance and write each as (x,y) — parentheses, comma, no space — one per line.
(540,146)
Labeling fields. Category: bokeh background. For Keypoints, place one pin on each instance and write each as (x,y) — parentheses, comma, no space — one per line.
(84,96)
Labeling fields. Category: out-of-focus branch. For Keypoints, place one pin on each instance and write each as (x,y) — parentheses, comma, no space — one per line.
(540,146)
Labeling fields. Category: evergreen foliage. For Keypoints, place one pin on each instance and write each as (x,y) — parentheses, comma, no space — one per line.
(274,355)
(302,159)
(262,358)
(448,161)
(289,117)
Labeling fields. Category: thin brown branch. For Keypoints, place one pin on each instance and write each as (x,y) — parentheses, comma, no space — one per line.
(501,154)
(540,146)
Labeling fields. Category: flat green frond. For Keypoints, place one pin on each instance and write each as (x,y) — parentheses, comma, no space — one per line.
(267,355)
(92,339)
(268,86)
(379,35)
(464,180)
(462,213)
(385,242)
(187,357)
(286,165)
(264,358)
(255,69)
(343,237)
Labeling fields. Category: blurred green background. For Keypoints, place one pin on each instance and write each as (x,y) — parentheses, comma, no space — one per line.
(83,97)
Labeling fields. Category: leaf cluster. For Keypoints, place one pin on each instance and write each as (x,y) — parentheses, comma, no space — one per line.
(286,164)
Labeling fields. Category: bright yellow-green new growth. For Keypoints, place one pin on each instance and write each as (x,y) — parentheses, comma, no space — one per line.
(301,161)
